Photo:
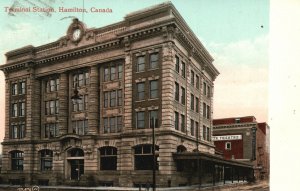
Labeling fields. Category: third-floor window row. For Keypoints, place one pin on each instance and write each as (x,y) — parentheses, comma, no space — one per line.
(18,88)
(81,104)
(153,90)
(151,63)
(180,94)
(18,109)
(51,107)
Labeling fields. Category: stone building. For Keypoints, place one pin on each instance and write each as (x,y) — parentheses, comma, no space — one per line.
(244,139)
(149,65)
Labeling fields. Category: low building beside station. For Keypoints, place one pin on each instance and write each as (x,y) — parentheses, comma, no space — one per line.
(244,139)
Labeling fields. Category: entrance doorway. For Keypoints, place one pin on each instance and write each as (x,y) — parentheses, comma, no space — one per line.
(77,168)
(75,161)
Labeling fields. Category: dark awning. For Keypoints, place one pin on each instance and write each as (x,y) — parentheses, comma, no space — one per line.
(210,157)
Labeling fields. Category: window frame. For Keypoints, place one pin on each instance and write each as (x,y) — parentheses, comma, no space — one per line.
(140,92)
(142,114)
(152,90)
(140,63)
(156,66)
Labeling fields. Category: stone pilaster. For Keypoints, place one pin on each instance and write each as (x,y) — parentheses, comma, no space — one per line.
(63,104)
(7,108)
(33,104)
(93,110)
(128,92)
(167,85)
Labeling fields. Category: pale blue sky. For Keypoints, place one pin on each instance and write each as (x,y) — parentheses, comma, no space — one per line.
(229,29)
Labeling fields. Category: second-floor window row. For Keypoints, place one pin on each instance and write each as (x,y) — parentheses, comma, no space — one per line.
(17,131)
(80,127)
(51,130)
(113,98)
(112,124)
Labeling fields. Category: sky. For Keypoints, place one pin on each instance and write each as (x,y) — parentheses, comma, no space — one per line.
(235,32)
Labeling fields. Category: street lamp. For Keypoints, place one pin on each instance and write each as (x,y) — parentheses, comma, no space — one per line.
(153,124)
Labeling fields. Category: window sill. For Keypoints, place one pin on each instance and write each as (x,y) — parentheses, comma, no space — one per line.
(140,100)
(153,99)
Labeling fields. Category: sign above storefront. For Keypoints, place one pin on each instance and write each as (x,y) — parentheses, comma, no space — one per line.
(227,137)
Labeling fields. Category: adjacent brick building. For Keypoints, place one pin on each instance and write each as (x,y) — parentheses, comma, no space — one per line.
(244,139)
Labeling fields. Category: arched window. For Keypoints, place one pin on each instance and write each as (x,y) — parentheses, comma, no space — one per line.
(17,160)
(46,159)
(76,152)
(181,149)
(108,158)
(143,157)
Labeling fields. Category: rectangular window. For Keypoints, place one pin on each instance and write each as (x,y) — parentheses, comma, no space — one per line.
(140,64)
(57,84)
(80,127)
(182,123)
(119,123)
(192,77)
(81,79)
(208,134)
(208,112)
(183,95)
(14,110)
(197,82)
(21,108)
(112,98)
(153,60)
(86,102)
(204,88)
(192,128)
(153,116)
(204,133)
(176,91)
(106,97)
(120,71)
(22,87)
(56,106)
(197,129)
(52,107)
(192,102)
(113,72)
(176,121)
(120,98)
(15,131)
(177,64)
(228,146)
(14,89)
(208,91)
(52,85)
(153,89)
(141,91)
(106,74)
(204,110)
(51,130)
(197,105)
(112,124)
(140,119)
(105,125)
(183,69)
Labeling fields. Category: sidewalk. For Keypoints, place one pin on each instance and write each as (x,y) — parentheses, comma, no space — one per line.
(235,186)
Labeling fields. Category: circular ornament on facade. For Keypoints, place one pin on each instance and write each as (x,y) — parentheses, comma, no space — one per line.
(76,35)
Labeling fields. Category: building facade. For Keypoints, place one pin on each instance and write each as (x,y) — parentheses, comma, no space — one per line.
(244,139)
(150,65)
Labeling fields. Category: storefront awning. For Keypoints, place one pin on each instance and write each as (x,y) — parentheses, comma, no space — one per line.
(210,157)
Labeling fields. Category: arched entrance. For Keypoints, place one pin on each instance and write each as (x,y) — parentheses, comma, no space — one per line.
(75,162)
